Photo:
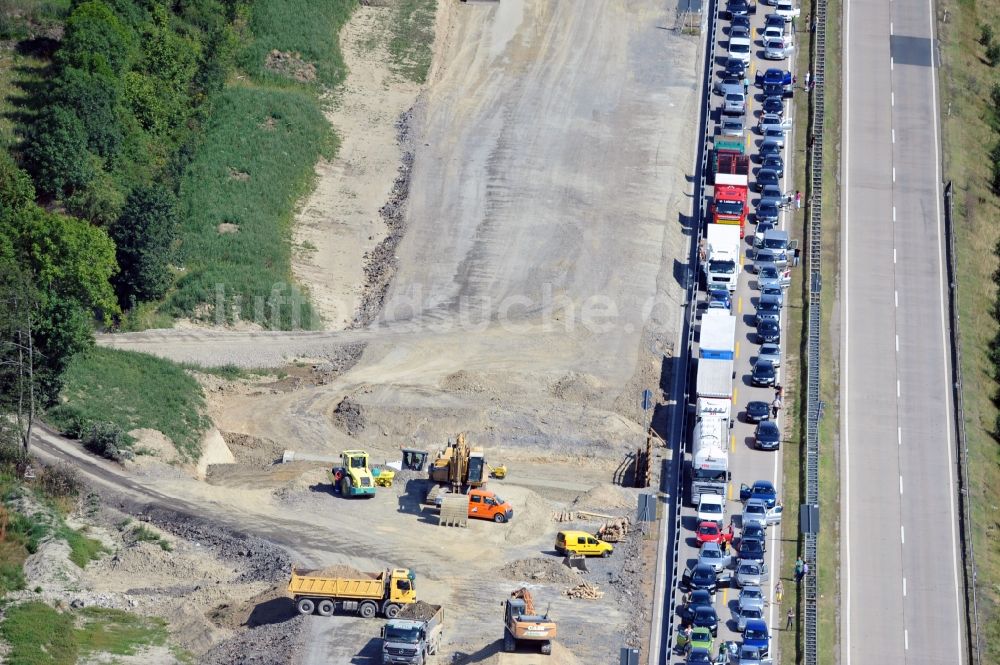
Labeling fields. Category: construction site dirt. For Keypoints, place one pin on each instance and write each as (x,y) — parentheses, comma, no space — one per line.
(533,298)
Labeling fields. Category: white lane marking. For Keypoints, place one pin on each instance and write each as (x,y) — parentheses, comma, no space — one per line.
(899,436)
(894,174)
(906,639)
(901,484)
(893,254)
(892,62)
(895,296)
(956,632)
(904,587)
(902,534)
(890,27)
(892,99)
(894,140)
(897,387)
(894,213)
(897,343)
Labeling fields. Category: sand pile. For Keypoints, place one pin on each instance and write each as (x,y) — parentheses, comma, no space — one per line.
(539,569)
(605,497)
(532,517)
(338,570)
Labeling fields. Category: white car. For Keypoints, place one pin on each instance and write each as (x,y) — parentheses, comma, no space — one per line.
(712,508)
(786,10)
(774,33)
(740,48)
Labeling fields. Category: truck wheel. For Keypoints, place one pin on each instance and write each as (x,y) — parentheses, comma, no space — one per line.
(390,610)
(345,486)
(305,606)
(509,643)
(367,610)
(547,648)
(325,608)
(499,518)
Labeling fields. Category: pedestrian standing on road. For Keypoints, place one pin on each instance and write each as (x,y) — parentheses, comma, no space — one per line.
(798,569)
(775,407)
(798,200)
(808,78)
(789,619)
(779,391)
(779,591)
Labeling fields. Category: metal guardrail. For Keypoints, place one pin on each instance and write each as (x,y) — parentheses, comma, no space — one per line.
(814,194)
(964,516)
(684,353)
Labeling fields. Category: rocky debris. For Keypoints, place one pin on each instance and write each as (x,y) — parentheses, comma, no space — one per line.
(380,262)
(348,417)
(268,644)
(259,559)
(418,611)
(541,570)
(629,581)
(291,65)
(584,590)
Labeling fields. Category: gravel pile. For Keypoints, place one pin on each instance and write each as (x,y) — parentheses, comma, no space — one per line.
(348,417)
(265,645)
(418,611)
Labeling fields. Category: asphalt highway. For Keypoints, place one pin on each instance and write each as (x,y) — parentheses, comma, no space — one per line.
(747,464)
(901,590)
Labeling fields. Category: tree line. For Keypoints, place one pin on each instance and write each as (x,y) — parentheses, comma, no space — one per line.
(88,205)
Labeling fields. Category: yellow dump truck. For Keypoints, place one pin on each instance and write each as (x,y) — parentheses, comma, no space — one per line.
(385,592)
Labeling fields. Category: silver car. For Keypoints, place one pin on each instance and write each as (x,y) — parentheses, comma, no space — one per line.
(751,596)
(735,102)
(773,121)
(744,614)
(732,126)
(774,134)
(711,554)
(728,85)
(754,513)
(770,352)
(751,574)
(775,49)
(749,655)
(771,276)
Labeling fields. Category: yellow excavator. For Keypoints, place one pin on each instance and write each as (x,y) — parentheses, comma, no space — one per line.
(459,466)
(522,623)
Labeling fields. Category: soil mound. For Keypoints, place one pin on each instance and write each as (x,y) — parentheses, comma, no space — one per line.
(604,497)
(418,611)
(540,569)
(339,570)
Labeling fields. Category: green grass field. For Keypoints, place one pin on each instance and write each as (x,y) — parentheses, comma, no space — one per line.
(412,42)
(133,390)
(970,123)
(255,162)
(41,635)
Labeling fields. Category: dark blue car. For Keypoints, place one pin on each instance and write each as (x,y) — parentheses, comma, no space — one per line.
(767,214)
(761,489)
(774,76)
(719,299)
(773,106)
(756,635)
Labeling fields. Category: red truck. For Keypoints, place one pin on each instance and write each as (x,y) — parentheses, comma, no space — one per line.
(729,200)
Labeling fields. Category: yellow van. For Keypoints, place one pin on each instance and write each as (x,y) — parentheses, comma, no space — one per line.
(581,542)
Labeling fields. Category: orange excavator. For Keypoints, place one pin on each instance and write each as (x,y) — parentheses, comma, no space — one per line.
(522,623)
